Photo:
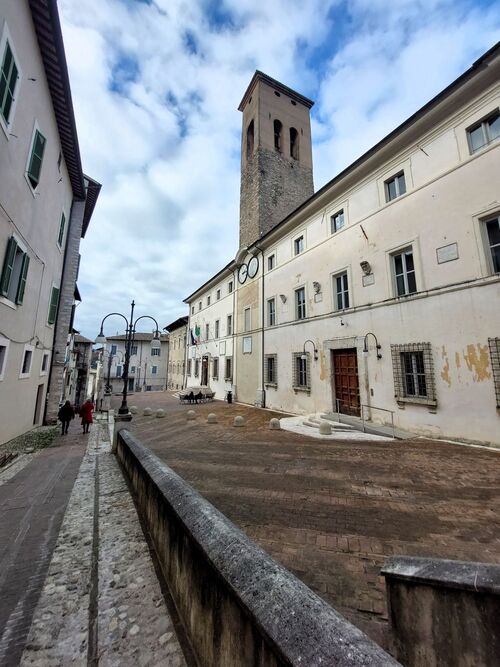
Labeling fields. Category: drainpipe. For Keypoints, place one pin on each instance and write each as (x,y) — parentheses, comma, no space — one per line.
(262,331)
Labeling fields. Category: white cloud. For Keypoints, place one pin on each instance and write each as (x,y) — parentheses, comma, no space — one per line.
(156,86)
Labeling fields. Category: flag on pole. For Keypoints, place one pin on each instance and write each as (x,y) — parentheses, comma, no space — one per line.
(193,341)
(197,333)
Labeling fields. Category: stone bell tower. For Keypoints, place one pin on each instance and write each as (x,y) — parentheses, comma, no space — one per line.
(276,155)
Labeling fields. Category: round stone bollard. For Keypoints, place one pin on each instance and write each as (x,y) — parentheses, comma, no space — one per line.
(325,429)
(212,418)
(239,421)
(134,409)
(160,413)
(274,424)
(147,412)
(191,414)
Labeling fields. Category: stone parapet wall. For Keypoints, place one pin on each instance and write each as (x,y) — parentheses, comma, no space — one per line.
(238,606)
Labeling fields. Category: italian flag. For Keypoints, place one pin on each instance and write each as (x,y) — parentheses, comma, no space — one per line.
(195,339)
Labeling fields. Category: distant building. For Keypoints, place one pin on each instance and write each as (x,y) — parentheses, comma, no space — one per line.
(148,366)
(46,204)
(379,294)
(177,332)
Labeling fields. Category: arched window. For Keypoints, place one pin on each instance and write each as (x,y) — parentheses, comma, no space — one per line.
(294,143)
(250,140)
(278,128)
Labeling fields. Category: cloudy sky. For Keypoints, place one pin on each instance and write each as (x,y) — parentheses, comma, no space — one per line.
(156,85)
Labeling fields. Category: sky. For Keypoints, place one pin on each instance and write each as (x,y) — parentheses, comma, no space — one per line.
(156,85)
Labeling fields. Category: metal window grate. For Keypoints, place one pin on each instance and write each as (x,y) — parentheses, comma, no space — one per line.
(228,372)
(271,369)
(413,369)
(301,375)
(494,345)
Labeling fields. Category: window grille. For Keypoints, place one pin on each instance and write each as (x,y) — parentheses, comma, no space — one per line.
(215,373)
(228,372)
(413,370)
(271,369)
(301,371)
(494,345)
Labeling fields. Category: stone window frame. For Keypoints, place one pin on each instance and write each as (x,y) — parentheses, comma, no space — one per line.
(300,308)
(45,357)
(270,300)
(400,394)
(333,226)
(482,123)
(273,382)
(228,369)
(295,375)
(196,368)
(217,329)
(247,326)
(215,368)
(31,155)
(494,347)
(345,271)
(28,349)
(4,38)
(229,324)
(4,345)
(188,367)
(399,190)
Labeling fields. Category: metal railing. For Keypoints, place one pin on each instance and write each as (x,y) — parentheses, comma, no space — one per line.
(373,407)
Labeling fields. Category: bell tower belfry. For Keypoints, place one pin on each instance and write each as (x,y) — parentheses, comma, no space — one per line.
(276,155)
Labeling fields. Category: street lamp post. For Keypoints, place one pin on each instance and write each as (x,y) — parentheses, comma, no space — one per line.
(129,339)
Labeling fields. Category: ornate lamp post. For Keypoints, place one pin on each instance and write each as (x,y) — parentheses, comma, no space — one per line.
(129,339)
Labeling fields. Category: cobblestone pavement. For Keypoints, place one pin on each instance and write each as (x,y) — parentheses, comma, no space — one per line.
(332,512)
(34,492)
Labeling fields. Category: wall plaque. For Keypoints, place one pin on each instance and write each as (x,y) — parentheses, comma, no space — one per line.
(447,253)
(368,280)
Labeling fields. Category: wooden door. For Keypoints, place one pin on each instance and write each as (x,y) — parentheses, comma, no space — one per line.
(345,382)
(204,371)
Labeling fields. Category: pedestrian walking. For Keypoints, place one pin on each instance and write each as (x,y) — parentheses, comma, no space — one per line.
(86,414)
(65,415)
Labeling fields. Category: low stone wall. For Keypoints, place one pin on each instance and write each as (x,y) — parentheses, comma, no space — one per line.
(238,606)
(444,612)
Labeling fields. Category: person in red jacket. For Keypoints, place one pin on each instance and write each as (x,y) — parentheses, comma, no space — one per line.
(86,414)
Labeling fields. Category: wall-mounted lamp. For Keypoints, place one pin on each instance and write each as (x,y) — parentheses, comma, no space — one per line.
(304,355)
(283,298)
(378,347)
(366,268)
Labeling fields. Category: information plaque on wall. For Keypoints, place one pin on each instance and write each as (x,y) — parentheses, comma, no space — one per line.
(447,253)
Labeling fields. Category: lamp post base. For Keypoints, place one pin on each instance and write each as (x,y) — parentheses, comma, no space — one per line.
(123,417)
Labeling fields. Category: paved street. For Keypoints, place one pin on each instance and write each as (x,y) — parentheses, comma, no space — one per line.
(333,511)
(32,506)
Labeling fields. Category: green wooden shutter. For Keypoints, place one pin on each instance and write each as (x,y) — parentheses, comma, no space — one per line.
(22,281)
(54,300)
(8,80)
(8,265)
(61,230)
(35,165)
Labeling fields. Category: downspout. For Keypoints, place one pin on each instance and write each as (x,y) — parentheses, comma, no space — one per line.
(262,322)
(233,333)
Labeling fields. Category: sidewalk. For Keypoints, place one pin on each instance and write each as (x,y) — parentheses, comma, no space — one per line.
(83,589)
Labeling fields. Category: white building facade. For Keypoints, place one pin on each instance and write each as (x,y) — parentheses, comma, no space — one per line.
(147,367)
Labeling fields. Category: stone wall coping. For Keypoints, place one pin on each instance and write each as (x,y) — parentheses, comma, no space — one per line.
(464,575)
(302,628)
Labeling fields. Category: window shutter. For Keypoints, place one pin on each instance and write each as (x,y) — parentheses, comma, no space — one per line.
(36,159)
(22,282)
(54,300)
(61,230)
(8,266)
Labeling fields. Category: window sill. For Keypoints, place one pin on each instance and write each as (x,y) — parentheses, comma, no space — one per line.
(305,390)
(411,400)
(271,384)
(8,302)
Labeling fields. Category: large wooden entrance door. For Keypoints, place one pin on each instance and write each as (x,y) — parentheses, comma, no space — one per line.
(204,371)
(345,383)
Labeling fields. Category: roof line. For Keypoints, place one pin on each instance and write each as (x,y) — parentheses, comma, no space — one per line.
(261,76)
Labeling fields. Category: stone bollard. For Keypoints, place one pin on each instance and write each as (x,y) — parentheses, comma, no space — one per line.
(274,424)
(239,421)
(191,414)
(325,429)
(134,409)
(147,412)
(160,413)
(212,418)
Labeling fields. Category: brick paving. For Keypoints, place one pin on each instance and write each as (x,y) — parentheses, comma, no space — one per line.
(32,505)
(332,512)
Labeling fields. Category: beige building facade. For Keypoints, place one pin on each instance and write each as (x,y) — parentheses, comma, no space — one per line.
(44,210)
(147,368)
(177,349)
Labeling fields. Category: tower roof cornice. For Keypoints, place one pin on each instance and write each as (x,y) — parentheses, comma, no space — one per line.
(260,76)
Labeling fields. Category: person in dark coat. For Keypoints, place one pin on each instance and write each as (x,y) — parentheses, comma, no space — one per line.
(65,415)
(86,414)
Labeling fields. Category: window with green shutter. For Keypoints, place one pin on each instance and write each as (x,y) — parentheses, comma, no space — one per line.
(61,230)
(54,301)
(35,164)
(14,272)
(8,81)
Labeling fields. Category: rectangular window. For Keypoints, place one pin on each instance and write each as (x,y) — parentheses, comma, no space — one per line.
(199,305)
(218,294)
(155,352)
(192,310)
(154,370)
(341,287)
(8,82)
(493,234)
(494,345)
(337,221)
(207,331)
(271,312)
(113,349)
(62,225)
(247,344)
(189,366)
(298,245)
(45,363)
(395,186)
(132,369)
(404,272)
(36,159)
(208,300)
(301,378)
(118,371)
(484,132)
(196,367)
(27,358)
(271,262)
(4,348)
(413,373)
(229,325)
(54,302)
(14,272)
(300,303)
(217,328)
(247,319)
(228,371)
(133,350)
(215,373)
(230,286)
(270,369)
